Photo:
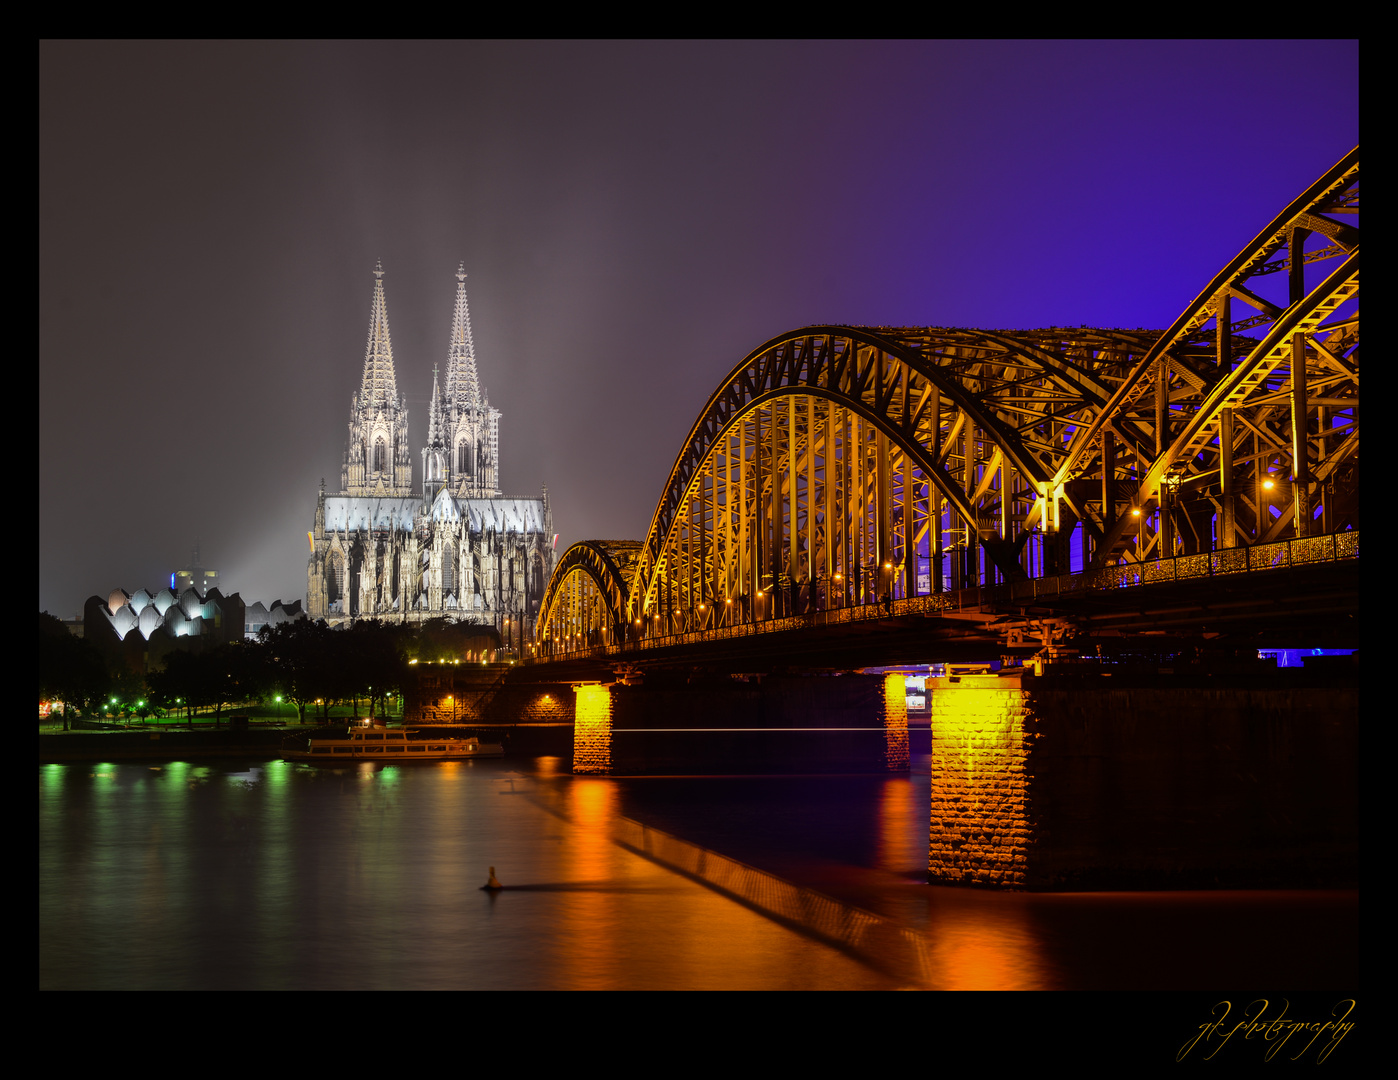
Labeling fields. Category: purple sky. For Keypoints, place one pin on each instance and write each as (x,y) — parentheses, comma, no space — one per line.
(634,217)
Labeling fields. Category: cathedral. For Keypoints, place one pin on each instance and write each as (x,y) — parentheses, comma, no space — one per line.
(454,548)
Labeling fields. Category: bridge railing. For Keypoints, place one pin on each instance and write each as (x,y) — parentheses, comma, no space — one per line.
(1284,554)
(1301,551)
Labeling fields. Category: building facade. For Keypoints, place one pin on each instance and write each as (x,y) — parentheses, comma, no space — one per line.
(456,547)
(140,629)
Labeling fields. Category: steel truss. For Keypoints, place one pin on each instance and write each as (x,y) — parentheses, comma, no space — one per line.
(844,465)
(586,602)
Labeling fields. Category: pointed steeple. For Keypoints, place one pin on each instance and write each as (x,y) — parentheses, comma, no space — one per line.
(436,454)
(436,422)
(377,461)
(380,385)
(463,384)
(472,427)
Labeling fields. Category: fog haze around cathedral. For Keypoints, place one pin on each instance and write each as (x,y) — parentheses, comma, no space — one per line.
(597,231)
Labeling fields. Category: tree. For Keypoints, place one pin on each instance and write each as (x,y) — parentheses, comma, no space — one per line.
(297,657)
(375,654)
(71,670)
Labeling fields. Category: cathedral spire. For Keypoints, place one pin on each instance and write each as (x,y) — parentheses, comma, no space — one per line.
(463,384)
(377,461)
(436,421)
(380,385)
(436,454)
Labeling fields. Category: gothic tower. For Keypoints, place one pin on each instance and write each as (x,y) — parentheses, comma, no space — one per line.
(436,454)
(472,426)
(456,549)
(377,459)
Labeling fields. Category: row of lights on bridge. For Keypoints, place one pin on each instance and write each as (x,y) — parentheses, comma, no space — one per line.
(760,594)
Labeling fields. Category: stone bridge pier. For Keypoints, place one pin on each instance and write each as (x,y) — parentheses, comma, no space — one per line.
(1092,781)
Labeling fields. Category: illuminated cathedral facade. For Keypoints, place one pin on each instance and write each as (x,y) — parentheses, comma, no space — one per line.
(455,547)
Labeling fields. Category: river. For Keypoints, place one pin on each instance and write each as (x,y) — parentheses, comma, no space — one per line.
(266,875)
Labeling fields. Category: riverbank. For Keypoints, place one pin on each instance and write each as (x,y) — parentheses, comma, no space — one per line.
(169,743)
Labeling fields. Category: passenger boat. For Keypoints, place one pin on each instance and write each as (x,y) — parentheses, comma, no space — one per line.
(380,744)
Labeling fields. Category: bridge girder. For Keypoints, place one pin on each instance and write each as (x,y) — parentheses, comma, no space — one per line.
(586,600)
(1209,380)
(834,462)
(804,403)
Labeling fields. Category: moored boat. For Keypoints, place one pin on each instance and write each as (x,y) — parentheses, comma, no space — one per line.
(381,744)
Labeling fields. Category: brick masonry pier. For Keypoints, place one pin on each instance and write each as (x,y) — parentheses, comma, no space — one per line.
(1092,781)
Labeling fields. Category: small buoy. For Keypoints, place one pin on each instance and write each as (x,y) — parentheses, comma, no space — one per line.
(493,883)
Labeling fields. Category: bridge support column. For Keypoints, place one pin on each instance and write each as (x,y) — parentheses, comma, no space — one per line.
(895,721)
(979,829)
(1300,464)
(592,729)
(1088,781)
(1226,530)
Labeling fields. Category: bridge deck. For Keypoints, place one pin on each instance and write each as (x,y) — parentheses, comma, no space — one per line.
(1276,593)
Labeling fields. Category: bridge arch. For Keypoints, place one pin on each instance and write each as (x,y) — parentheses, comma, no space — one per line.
(585,604)
(842,465)
(908,442)
(850,464)
(1254,418)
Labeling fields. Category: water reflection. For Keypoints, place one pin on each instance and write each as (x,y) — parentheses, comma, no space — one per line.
(900,848)
(980,944)
(263,875)
(589,917)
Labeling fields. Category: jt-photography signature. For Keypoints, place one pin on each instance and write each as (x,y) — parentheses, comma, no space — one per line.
(1274,1032)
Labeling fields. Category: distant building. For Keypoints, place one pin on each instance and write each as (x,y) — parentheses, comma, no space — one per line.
(257,616)
(454,548)
(193,576)
(140,628)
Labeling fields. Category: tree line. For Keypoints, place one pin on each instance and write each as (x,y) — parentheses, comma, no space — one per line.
(306,663)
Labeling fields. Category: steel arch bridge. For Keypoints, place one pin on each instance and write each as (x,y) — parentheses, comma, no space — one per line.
(840,466)
(587,599)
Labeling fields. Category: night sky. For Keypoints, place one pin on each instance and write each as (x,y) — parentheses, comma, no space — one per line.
(634,218)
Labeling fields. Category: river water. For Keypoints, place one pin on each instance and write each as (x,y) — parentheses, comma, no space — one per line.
(267,875)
